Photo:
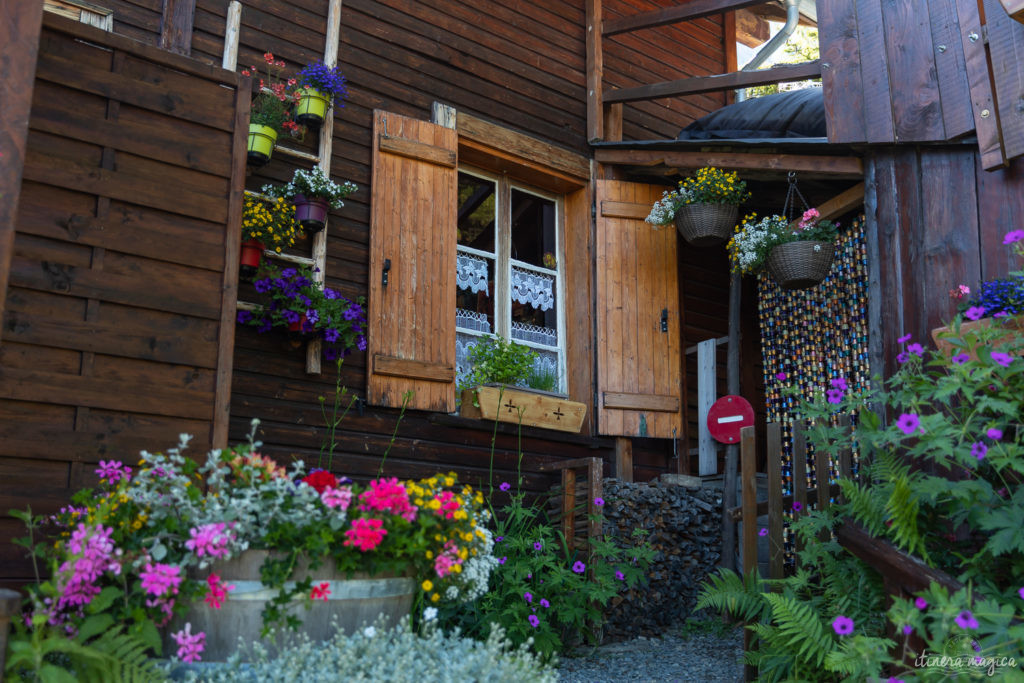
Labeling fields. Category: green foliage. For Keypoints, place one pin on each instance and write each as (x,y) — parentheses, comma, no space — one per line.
(499,360)
(397,654)
(544,380)
(802,46)
(312,183)
(100,652)
(269,111)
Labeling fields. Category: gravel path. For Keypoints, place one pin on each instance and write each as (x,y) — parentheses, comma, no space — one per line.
(697,657)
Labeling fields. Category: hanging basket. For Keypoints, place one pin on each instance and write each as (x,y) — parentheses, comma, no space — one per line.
(261,144)
(311,212)
(311,108)
(705,225)
(800,265)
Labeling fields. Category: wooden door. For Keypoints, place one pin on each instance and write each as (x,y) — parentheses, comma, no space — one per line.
(638,332)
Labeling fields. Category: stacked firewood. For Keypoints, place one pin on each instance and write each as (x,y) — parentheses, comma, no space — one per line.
(684,526)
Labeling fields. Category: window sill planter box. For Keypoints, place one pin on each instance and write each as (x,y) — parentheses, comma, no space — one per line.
(353,601)
(800,265)
(261,144)
(706,225)
(539,408)
(942,335)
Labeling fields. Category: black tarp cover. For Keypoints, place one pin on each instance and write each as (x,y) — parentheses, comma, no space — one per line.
(793,114)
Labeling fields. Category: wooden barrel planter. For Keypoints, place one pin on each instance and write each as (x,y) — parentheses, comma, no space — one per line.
(1013,325)
(705,225)
(353,602)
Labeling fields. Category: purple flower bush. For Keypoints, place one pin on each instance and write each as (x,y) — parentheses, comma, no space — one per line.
(327,80)
(295,300)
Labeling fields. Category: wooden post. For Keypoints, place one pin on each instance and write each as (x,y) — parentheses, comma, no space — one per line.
(20,24)
(707,449)
(569,508)
(594,489)
(595,71)
(773,443)
(731,451)
(176,26)
(748,470)
(799,472)
(624,458)
(231,28)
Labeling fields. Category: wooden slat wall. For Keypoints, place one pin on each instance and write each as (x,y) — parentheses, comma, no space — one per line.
(895,71)
(125,263)
(638,364)
(940,220)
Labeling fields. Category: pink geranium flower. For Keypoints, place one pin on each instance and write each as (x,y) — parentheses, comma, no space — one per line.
(161,579)
(190,646)
(365,534)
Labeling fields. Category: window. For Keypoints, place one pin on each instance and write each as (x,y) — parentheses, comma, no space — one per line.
(84,12)
(508,277)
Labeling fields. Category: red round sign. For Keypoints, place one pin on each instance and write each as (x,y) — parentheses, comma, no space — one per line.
(728,416)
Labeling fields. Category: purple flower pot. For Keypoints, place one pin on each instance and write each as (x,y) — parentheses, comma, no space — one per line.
(311,212)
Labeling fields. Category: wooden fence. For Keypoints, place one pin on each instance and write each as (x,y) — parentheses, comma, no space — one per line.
(118,324)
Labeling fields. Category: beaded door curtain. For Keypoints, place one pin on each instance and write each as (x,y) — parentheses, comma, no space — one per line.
(808,338)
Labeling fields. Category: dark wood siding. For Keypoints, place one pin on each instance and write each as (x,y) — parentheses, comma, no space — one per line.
(124,265)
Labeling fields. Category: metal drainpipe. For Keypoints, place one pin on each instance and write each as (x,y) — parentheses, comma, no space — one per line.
(773,45)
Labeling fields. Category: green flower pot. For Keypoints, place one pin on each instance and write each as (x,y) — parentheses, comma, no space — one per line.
(311,108)
(261,144)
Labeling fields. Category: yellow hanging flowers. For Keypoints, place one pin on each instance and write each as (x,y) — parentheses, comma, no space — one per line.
(270,222)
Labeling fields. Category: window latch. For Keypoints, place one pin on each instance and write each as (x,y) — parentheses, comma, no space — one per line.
(664,320)
(384,272)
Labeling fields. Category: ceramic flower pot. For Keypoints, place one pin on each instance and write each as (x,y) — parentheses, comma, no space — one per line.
(353,601)
(249,257)
(311,212)
(311,108)
(942,335)
(706,225)
(800,265)
(261,144)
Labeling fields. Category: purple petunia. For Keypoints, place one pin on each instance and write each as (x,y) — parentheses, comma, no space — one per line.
(975,312)
(1013,236)
(534,620)
(978,450)
(244,316)
(960,358)
(994,433)
(331,335)
(966,620)
(1003,359)
(330,293)
(908,423)
(290,316)
(361,343)
(835,396)
(905,338)
(505,486)
(843,626)
(262,285)
(920,603)
(579,567)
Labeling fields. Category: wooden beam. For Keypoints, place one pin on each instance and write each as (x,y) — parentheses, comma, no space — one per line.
(232,25)
(20,25)
(415,369)
(840,204)
(702,84)
(624,458)
(520,145)
(905,571)
(990,142)
(420,151)
(651,402)
(730,60)
(851,167)
(694,9)
(176,26)
(752,29)
(1015,8)
(595,72)
(748,475)
(610,209)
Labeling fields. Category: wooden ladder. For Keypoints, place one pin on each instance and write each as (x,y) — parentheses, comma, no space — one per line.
(317,260)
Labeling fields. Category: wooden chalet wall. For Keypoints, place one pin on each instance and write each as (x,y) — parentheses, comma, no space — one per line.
(516,64)
(118,324)
(904,77)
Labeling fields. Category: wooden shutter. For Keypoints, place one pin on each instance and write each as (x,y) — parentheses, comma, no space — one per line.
(411,318)
(638,367)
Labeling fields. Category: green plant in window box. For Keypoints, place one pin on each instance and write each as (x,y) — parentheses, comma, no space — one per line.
(497,360)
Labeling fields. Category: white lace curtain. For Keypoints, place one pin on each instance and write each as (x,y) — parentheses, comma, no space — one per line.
(536,289)
(471,273)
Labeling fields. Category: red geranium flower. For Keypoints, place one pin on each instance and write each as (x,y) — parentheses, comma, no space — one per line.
(321,480)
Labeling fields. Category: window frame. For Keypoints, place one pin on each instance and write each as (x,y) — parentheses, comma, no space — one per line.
(503,262)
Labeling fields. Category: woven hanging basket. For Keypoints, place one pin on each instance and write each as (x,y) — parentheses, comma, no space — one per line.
(705,225)
(800,265)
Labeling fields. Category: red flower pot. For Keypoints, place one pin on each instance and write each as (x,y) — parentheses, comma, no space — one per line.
(250,257)
(311,212)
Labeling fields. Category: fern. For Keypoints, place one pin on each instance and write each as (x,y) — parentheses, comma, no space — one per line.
(726,591)
(800,629)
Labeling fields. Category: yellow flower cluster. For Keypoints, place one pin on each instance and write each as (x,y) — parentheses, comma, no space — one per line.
(711,185)
(269,222)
